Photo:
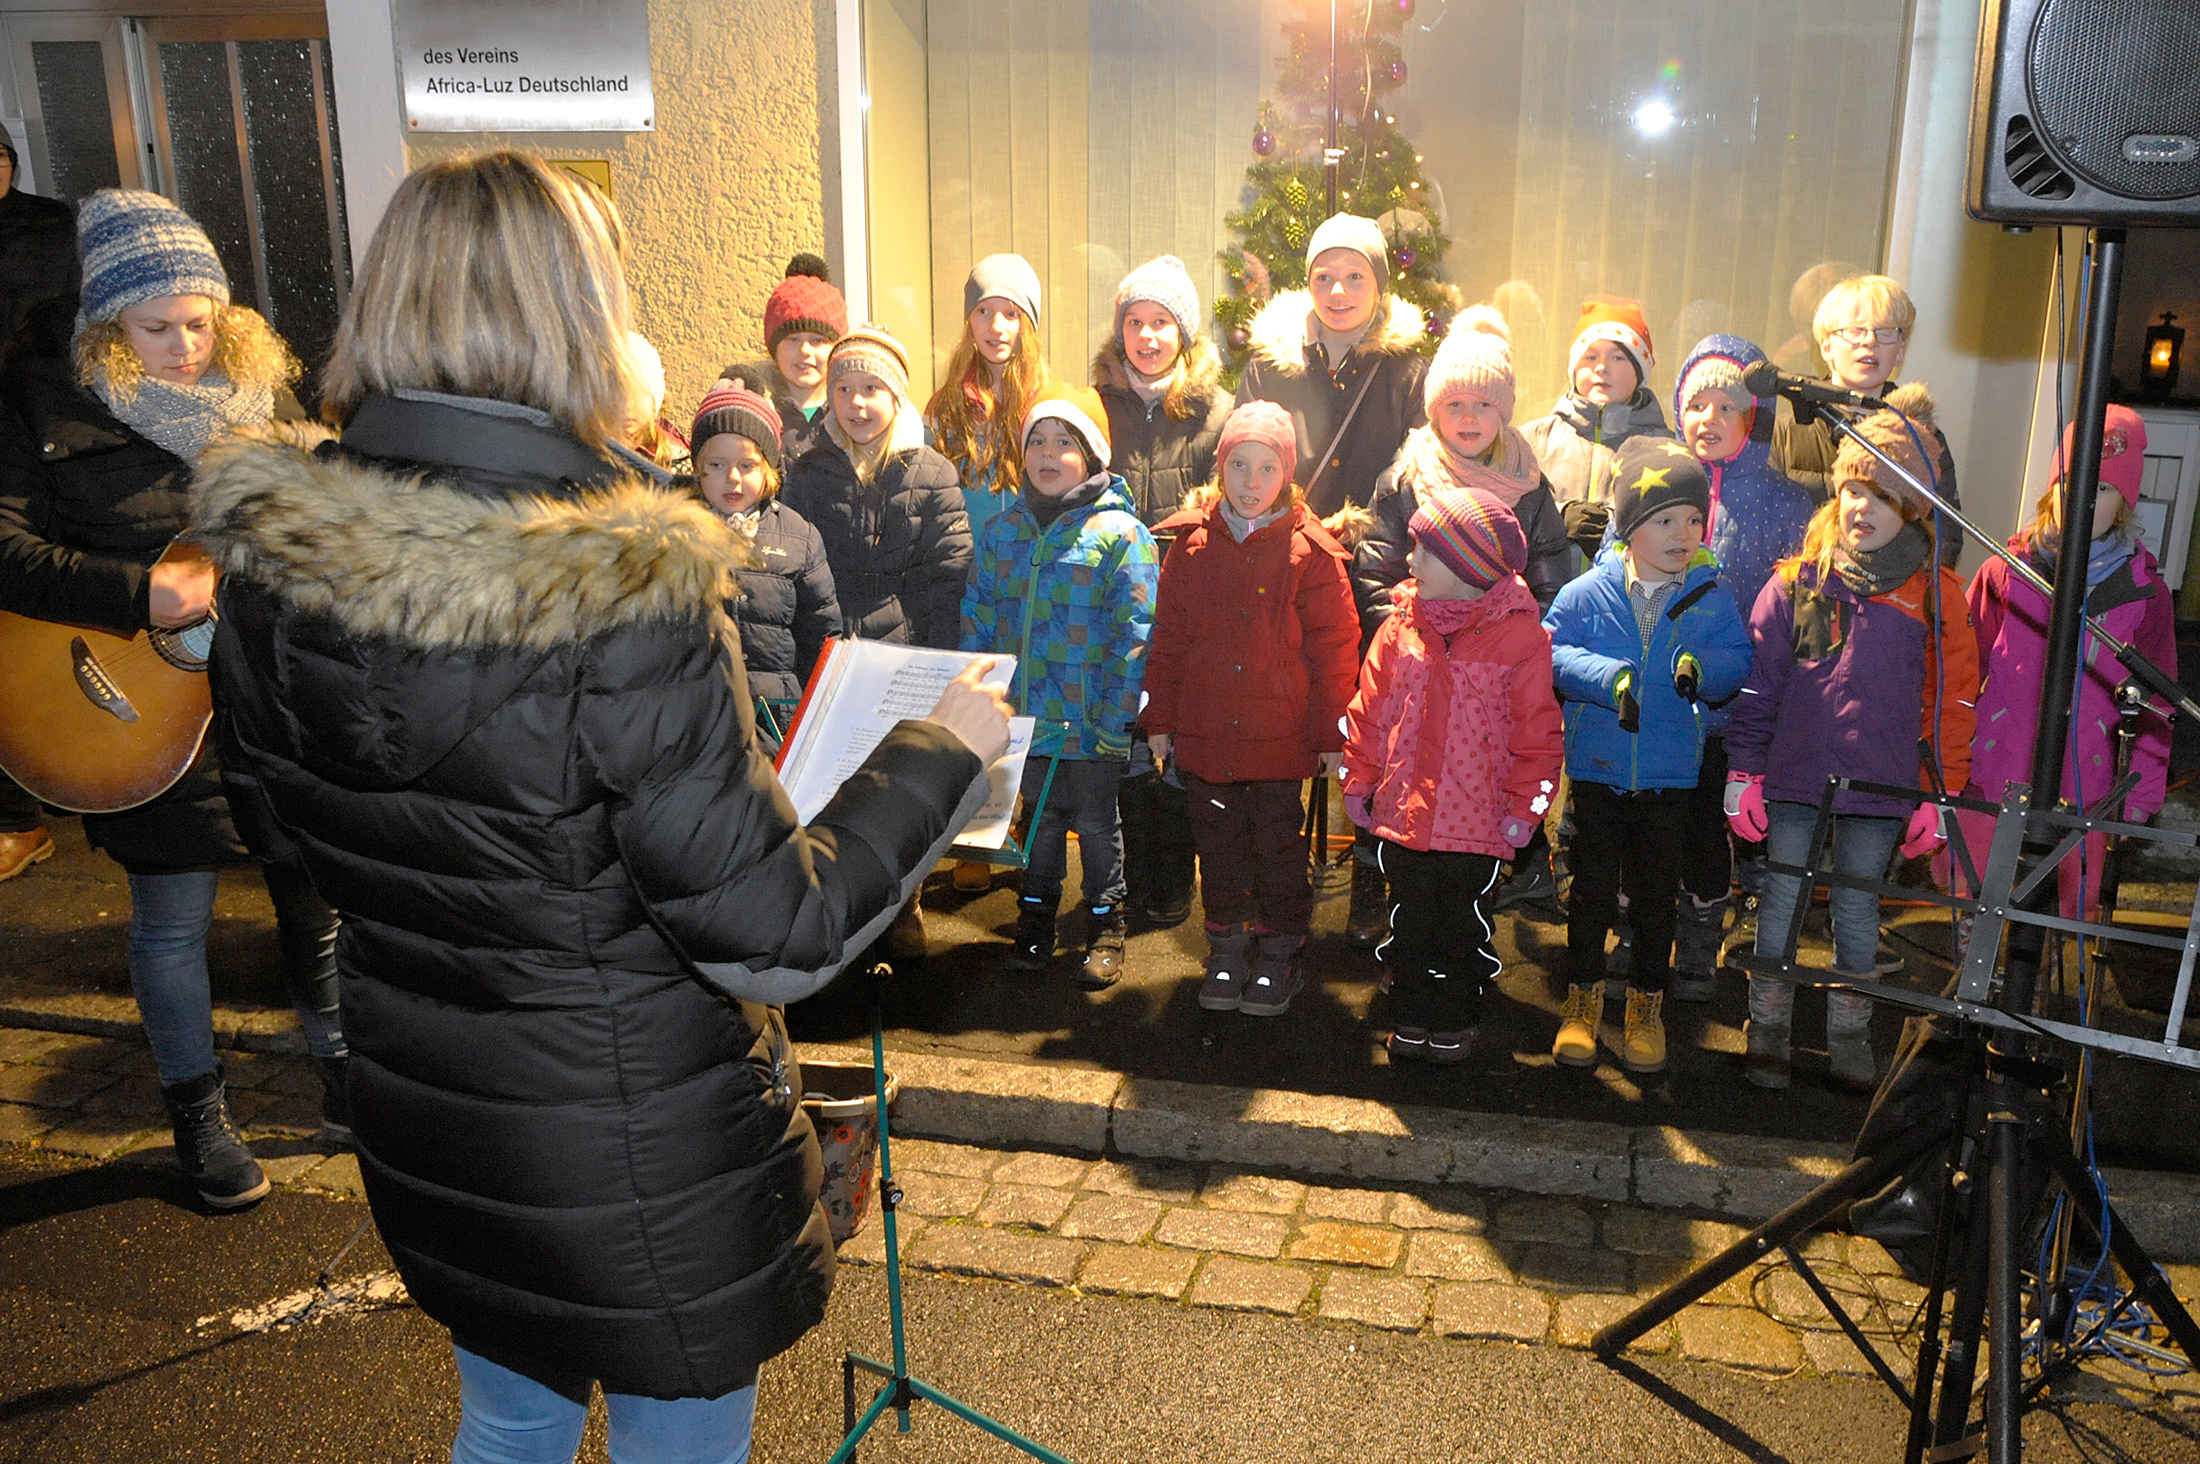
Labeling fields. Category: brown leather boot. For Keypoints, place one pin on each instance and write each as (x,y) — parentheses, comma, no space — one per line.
(19,852)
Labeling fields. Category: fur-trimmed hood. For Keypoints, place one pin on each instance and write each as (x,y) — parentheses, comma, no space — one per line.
(402,557)
(1279,331)
(1201,363)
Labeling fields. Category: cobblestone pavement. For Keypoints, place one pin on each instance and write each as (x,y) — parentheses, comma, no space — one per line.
(1436,1261)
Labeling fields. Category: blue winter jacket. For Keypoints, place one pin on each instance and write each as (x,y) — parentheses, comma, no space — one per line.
(1758,513)
(1594,637)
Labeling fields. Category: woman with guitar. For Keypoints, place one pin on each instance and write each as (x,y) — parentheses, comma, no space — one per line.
(105,622)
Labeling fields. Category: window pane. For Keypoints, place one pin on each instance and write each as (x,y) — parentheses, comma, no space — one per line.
(202,130)
(286,175)
(80,129)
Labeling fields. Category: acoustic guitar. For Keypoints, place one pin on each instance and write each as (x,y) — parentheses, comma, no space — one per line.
(96,722)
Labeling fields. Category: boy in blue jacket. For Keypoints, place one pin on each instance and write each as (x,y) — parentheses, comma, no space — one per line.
(1637,645)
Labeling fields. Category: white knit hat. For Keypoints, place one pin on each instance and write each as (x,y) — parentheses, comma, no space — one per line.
(1363,237)
(1476,353)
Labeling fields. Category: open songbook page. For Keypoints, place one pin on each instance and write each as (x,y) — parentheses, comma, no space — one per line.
(859,690)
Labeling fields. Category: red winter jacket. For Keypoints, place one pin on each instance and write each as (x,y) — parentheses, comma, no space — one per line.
(1254,647)
(1455,727)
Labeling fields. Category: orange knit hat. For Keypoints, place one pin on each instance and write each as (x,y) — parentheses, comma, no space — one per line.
(1080,407)
(1617,319)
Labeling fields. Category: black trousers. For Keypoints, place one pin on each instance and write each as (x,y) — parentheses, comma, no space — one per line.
(19,812)
(1707,870)
(1633,842)
(1157,840)
(1440,950)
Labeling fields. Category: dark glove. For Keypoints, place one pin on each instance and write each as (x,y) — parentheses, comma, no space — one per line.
(1586,521)
(1623,695)
(1687,676)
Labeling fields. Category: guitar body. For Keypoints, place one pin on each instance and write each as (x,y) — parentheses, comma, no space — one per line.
(95,722)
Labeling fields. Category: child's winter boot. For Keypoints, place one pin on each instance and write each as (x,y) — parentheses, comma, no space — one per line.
(1104,930)
(1275,976)
(1367,921)
(1642,1044)
(1229,967)
(1849,1042)
(1031,946)
(1578,1021)
(1696,949)
(1771,1020)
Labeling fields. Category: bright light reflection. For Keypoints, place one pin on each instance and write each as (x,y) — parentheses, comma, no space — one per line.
(1653,117)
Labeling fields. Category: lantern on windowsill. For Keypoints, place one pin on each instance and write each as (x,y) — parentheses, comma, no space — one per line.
(2159,376)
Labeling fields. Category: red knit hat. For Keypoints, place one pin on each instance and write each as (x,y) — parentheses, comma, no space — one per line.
(1617,319)
(1078,406)
(2123,451)
(1473,533)
(804,302)
(1264,423)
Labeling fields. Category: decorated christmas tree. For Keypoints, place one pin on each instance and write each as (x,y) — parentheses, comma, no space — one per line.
(1378,171)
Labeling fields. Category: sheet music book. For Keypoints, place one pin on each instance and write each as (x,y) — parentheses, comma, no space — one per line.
(859,690)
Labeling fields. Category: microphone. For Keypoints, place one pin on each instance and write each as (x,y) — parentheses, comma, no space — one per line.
(1765,379)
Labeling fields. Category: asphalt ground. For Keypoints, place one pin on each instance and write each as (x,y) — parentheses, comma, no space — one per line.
(120,1322)
(65,923)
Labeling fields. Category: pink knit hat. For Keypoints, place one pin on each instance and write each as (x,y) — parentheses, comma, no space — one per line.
(1473,533)
(1476,355)
(1264,423)
(2123,451)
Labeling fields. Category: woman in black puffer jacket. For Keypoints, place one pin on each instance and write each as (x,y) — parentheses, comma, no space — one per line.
(485,676)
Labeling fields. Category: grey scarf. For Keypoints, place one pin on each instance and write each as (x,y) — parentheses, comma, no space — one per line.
(185,419)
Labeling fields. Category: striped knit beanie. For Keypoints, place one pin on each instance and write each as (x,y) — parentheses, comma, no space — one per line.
(137,246)
(732,407)
(872,349)
(1473,533)
(804,302)
(1079,407)
(1476,355)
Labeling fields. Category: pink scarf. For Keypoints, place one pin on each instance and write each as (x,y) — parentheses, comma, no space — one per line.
(1428,463)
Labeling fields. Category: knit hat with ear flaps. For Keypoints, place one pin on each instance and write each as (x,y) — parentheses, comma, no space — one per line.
(1476,355)
(1363,237)
(1164,282)
(1617,319)
(1908,441)
(869,348)
(803,301)
(1654,474)
(137,246)
(1078,406)
(1008,277)
(1473,533)
(2123,451)
(736,409)
(1264,423)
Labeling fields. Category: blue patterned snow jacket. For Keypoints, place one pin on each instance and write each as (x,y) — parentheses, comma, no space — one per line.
(1073,602)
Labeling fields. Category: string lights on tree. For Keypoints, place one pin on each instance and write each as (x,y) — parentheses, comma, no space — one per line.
(1376,171)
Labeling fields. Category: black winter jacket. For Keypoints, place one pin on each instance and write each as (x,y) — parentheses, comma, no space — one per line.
(87,506)
(1162,458)
(798,431)
(1293,372)
(488,684)
(1385,552)
(37,254)
(899,546)
(786,610)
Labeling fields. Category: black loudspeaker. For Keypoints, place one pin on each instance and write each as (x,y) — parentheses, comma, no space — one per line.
(2087,112)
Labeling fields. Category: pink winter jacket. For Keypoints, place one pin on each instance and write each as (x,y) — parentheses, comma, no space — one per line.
(1455,727)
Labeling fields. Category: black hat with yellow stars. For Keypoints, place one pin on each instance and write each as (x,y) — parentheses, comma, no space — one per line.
(1654,474)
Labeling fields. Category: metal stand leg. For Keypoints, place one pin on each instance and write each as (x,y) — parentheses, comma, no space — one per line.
(899,1389)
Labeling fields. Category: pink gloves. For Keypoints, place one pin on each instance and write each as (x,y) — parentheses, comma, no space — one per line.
(1745,806)
(1925,833)
(1517,831)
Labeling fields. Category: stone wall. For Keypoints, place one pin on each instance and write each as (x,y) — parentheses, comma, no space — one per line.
(725,189)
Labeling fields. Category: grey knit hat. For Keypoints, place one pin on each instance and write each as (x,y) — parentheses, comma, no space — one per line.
(1164,282)
(137,246)
(1009,276)
(1362,236)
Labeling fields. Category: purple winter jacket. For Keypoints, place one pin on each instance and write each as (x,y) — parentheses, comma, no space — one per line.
(2132,605)
(1856,712)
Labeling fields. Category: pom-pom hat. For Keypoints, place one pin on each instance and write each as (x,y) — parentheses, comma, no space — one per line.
(1907,442)
(1078,406)
(1472,532)
(1476,355)
(803,302)
(137,246)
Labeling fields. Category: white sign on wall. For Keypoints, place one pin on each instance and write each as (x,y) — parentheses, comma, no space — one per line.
(525,65)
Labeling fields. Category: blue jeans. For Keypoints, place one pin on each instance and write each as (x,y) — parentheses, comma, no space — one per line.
(506,1418)
(1862,846)
(1083,798)
(169,918)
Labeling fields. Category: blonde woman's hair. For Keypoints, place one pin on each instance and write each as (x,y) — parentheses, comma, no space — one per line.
(977,427)
(246,351)
(1873,300)
(494,276)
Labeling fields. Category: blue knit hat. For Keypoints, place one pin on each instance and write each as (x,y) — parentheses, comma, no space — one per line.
(137,246)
